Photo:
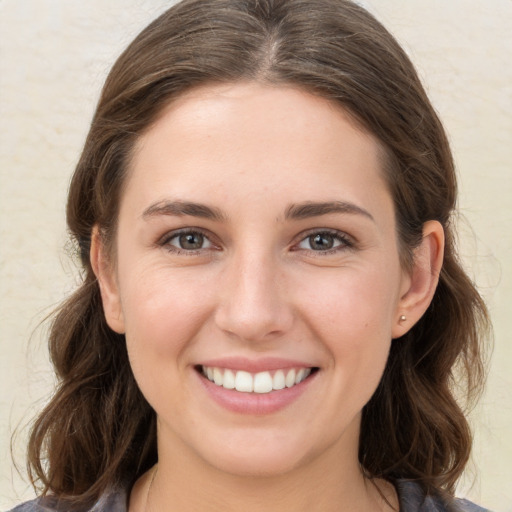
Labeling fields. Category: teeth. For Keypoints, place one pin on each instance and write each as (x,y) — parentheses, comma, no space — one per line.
(290,379)
(244,382)
(300,375)
(229,379)
(262,382)
(279,381)
(218,378)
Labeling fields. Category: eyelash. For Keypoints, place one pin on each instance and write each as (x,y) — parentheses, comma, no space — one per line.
(345,242)
(166,241)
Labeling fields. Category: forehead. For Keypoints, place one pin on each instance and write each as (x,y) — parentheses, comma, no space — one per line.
(259,138)
(258,107)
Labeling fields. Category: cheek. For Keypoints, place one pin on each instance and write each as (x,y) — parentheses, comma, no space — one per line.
(163,314)
(354,300)
(163,311)
(353,314)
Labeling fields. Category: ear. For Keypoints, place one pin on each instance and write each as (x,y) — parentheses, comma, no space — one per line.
(105,274)
(420,284)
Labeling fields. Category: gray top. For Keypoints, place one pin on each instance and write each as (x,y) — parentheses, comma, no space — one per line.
(410,494)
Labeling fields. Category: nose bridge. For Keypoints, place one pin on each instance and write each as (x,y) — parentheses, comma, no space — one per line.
(253,304)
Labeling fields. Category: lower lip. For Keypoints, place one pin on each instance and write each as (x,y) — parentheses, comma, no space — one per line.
(255,403)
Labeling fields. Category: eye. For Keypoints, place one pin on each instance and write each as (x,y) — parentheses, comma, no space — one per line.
(324,241)
(187,241)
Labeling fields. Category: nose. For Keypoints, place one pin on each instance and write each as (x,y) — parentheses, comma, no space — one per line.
(253,303)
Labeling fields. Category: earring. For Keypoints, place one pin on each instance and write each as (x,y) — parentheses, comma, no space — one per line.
(402,318)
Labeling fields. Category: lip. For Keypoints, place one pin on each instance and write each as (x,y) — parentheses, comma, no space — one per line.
(264,364)
(256,404)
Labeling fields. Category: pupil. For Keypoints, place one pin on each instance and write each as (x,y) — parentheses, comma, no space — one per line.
(321,242)
(191,241)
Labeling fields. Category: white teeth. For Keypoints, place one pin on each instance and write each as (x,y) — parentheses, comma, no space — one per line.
(290,378)
(243,382)
(261,382)
(278,382)
(217,377)
(302,374)
(229,379)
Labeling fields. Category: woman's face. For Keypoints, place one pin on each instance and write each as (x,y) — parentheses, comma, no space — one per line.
(256,247)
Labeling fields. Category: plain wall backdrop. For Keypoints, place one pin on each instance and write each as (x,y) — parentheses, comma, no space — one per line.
(54,56)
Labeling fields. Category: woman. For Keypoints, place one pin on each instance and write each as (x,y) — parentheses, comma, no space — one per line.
(272,313)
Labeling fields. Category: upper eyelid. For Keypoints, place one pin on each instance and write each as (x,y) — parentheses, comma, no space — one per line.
(329,231)
(164,243)
(347,242)
(169,235)
(342,235)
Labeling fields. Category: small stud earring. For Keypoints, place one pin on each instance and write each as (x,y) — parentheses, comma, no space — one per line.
(402,318)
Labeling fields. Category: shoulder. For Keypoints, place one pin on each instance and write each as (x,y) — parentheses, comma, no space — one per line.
(113,501)
(467,506)
(413,499)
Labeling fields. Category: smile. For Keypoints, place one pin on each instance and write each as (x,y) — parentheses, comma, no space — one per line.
(261,382)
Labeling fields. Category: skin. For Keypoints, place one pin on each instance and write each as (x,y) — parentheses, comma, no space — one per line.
(258,287)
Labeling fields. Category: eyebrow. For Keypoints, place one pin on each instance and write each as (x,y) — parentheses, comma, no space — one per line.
(297,211)
(311,209)
(181,208)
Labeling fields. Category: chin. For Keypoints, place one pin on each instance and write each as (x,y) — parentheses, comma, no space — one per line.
(261,457)
(261,466)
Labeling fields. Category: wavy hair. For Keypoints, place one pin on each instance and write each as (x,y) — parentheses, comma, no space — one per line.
(98,431)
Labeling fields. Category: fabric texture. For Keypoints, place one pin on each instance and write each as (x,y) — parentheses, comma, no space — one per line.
(410,494)
(413,499)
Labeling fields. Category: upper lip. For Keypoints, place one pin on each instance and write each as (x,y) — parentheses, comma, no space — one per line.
(254,365)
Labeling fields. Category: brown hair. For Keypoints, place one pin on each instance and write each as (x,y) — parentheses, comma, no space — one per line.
(98,431)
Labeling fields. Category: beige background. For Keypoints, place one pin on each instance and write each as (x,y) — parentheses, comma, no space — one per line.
(53,58)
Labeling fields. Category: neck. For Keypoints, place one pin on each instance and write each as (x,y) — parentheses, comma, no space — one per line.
(332,482)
